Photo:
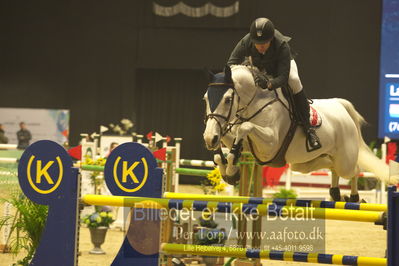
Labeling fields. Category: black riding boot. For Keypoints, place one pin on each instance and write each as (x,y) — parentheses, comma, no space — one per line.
(302,108)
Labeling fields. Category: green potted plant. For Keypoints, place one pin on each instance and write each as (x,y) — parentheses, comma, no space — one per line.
(26,226)
(285,194)
(98,223)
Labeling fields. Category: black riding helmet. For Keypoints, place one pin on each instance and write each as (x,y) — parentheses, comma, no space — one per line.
(261,30)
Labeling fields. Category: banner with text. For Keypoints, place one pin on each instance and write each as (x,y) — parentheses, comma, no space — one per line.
(49,124)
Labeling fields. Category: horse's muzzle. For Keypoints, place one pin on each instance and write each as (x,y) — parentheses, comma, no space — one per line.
(212,142)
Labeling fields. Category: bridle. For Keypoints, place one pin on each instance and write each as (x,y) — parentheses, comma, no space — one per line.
(223,130)
(239,119)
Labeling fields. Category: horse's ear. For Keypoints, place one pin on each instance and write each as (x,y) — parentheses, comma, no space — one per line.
(227,74)
(209,74)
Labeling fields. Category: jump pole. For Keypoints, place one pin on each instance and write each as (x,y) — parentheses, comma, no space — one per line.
(294,202)
(47,177)
(236,208)
(272,255)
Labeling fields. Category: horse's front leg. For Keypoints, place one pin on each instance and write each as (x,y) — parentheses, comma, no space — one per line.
(220,161)
(263,137)
(232,169)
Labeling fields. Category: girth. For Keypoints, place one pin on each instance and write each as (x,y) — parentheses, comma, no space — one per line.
(279,159)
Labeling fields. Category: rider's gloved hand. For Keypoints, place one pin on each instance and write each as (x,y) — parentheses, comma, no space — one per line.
(262,81)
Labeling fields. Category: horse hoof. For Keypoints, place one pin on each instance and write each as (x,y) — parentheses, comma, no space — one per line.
(232,179)
(352,198)
(335,194)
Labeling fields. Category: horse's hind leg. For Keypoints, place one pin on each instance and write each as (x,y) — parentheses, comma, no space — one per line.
(335,192)
(354,197)
(345,165)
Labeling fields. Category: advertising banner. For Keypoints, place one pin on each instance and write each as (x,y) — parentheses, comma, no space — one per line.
(389,71)
(49,124)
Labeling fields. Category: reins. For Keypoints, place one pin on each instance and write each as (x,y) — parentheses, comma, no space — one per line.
(240,119)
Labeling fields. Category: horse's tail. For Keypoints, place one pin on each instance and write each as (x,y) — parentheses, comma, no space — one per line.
(367,159)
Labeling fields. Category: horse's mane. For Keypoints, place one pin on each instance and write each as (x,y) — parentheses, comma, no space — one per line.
(246,66)
(243,77)
(242,74)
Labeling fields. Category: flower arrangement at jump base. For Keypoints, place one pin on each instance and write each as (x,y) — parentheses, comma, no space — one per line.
(214,182)
(101,217)
(98,223)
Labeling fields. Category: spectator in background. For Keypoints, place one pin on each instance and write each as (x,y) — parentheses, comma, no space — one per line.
(23,136)
(3,138)
(112,146)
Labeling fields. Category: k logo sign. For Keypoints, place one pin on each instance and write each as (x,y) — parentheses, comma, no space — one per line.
(130,169)
(42,169)
(47,174)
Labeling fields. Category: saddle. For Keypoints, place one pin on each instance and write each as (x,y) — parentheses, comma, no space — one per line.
(315,118)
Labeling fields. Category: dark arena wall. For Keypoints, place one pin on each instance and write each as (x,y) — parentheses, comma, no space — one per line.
(108,60)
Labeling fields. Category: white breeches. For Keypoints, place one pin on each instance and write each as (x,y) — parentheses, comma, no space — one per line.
(293,79)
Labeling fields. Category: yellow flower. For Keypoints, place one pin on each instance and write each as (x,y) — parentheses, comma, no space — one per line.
(110,215)
(103,214)
(220,187)
(98,220)
(215,179)
(100,161)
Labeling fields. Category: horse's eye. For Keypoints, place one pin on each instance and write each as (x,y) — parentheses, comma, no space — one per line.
(227,100)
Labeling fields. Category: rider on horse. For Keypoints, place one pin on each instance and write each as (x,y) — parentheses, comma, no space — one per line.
(269,51)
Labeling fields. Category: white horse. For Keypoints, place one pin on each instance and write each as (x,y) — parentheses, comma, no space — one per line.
(244,117)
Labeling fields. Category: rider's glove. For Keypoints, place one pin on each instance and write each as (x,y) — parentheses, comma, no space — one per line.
(262,81)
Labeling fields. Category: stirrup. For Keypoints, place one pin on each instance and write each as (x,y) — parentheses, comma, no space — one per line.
(312,141)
